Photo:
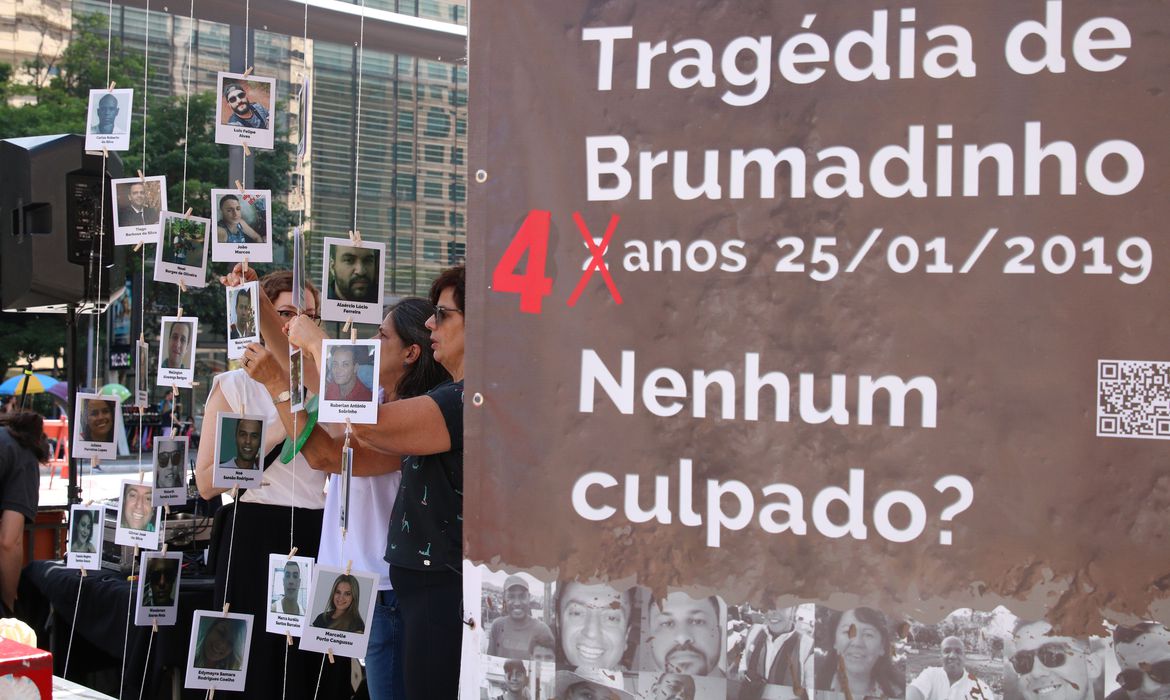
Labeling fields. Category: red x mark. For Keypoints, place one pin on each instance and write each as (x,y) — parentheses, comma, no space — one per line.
(598,262)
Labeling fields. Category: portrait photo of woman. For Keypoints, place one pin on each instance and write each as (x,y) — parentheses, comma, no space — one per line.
(81,541)
(861,657)
(99,420)
(342,610)
(221,643)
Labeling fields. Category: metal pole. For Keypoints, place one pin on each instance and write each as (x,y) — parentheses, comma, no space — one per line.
(73,493)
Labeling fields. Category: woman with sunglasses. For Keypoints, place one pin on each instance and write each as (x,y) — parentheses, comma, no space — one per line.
(860,659)
(261,515)
(425,539)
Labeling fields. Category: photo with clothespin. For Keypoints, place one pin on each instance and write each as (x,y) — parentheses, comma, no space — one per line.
(107,122)
(243,306)
(181,256)
(352,279)
(217,656)
(239,451)
(97,424)
(176,355)
(349,383)
(243,225)
(86,525)
(245,111)
(341,606)
(141,370)
(158,589)
(138,204)
(288,593)
(138,518)
(170,470)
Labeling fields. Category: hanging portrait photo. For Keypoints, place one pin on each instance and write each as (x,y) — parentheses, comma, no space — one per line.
(107,123)
(170,471)
(86,524)
(239,442)
(243,302)
(141,368)
(288,593)
(217,656)
(349,384)
(182,254)
(137,516)
(243,225)
(340,609)
(296,380)
(138,204)
(176,355)
(96,426)
(244,111)
(158,592)
(351,281)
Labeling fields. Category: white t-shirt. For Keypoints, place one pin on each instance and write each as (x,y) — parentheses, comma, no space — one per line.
(371,500)
(934,684)
(294,484)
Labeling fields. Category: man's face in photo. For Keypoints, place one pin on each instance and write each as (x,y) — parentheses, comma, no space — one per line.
(516,678)
(107,111)
(137,195)
(354,271)
(248,441)
(292,579)
(686,635)
(1146,660)
(778,621)
(516,602)
(953,657)
(170,464)
(161,579)
(137,511)
(244,313)
(593,620)
(589,691)
(237,99)
(343,366)
(1050,667)
(177,341)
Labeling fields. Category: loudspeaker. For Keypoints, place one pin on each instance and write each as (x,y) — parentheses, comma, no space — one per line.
(50,204)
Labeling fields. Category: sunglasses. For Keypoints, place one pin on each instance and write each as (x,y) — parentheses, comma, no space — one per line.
(441,313)
(1051,655)
(172,458)
(1132,678)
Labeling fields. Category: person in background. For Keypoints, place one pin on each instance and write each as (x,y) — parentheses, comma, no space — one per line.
(23,448)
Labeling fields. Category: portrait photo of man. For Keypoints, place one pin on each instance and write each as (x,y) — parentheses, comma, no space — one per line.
(343,383)
(1049,666)
(779,651)
(137,510)
(177,345)
(105,117)
(593,622)
(136,211)
(950,681)
(686,635)
(242,110)
(354,274)
(107,120)
(512,634)
(1143,654)
(169,465)
(290,587)
(243,317)
(158,582)
(240,443)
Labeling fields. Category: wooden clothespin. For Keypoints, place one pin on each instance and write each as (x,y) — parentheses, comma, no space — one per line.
(88,502)
(138,246)
(164,548)
(348,325)
(292,552)
(352,334)
(248,72)
(83,572)
(112,84)
(141,475)
(93,462)
(348,566)
(141,177)
(288,637)
(355,237)
(188,213)
(211,694)
(329,653)
(226,607)
(247,151)
(245,268)
(167,511)
(235,493)
(105,152)
(240,186)
(154,627)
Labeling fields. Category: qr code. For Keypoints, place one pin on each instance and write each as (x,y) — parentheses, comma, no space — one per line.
(1133,399)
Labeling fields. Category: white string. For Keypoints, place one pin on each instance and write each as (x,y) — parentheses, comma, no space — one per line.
(231,545)
(97,344)
(126,637)
(357,125)
(72,628)
(319,674)
(146,663)
(145,86)
(187,115)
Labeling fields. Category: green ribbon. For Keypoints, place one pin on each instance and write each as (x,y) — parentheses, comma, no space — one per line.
(289,450)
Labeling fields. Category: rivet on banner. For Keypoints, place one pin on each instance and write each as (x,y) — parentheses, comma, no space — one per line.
(481,176)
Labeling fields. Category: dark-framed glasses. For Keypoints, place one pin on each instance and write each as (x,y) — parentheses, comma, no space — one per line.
(1132,678)
(442,311)
(172,458)
(1051,655)
(290,314)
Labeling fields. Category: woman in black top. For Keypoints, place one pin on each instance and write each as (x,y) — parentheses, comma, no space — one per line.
(343,609)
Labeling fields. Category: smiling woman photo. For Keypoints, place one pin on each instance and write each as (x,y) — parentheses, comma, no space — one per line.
(99,421)
(82,540)
(221,643)
(341,610)
(861,657)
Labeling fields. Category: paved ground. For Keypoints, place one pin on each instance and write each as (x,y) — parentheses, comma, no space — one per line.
(95,486)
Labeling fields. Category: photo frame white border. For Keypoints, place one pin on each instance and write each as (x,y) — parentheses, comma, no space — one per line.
(190,275)
(357,311)
(234,252)
(296,379)
(225,478)
(174,376)
(165,616)
(236,346)
(348,644)
(356,411)
(234,135)
(110,142)
(145,539)
(280,622)
(141,370)
(86,560)
(171,495)
(220,679)
(88,449)
(138,233)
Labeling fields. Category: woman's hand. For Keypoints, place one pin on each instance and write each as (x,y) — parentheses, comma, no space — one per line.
(304,333)
(239,275)
(262,366)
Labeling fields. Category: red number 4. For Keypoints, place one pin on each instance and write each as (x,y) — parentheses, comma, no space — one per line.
(532,286)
